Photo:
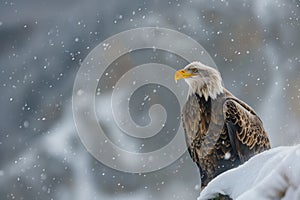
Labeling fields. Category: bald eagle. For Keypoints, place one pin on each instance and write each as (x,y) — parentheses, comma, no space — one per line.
(221,131)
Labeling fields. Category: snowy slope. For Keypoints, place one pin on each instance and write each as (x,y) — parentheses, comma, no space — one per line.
(274,174)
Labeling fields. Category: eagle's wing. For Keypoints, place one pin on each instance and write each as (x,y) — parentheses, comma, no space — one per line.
(245,129)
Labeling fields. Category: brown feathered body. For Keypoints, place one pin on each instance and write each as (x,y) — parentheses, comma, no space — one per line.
(221,133)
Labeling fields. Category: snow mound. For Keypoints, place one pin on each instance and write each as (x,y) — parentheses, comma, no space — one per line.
(273,174)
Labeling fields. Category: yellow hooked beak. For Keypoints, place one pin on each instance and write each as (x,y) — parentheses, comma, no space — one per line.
(180,74)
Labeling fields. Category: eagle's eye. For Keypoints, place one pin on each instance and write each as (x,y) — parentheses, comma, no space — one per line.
(194,70)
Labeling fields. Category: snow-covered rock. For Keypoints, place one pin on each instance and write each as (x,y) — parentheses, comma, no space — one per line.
(273,174)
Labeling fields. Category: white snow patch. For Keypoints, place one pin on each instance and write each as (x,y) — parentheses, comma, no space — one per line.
(273,174)
(227,156)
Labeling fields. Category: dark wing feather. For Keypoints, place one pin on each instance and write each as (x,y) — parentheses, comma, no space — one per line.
(245,129)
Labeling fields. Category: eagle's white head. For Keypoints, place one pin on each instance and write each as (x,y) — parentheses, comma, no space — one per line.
(203,80)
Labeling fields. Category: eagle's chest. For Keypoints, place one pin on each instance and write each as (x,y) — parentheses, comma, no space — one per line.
(203,123)
(202,119)
(206,136)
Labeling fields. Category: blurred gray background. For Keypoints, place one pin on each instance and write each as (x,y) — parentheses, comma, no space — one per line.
(255,44)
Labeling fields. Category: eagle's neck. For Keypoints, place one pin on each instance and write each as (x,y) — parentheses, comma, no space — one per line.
(206,90)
